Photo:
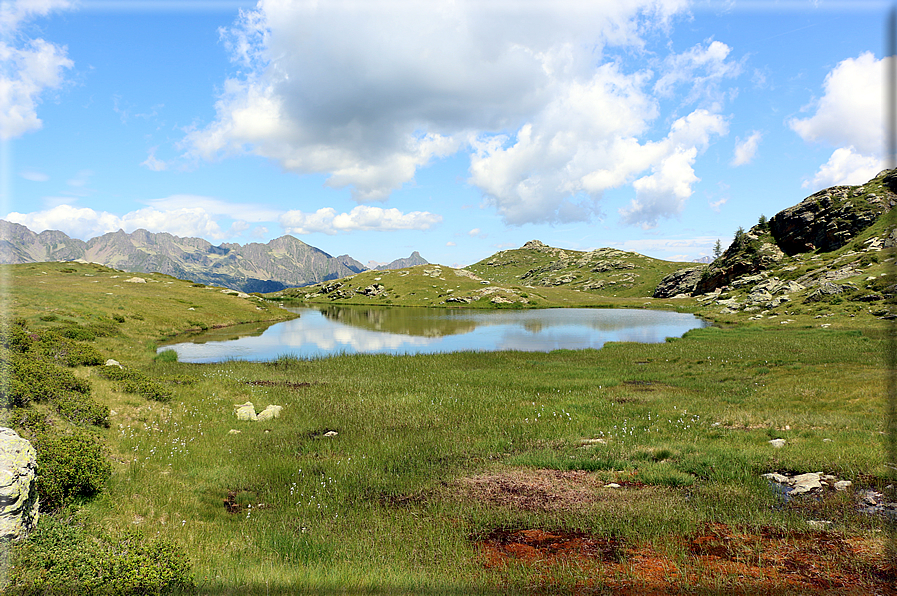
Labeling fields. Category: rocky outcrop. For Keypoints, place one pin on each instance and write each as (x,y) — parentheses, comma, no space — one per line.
(830,218)
(823,222)
(749,254)
(679,282)
(18,493)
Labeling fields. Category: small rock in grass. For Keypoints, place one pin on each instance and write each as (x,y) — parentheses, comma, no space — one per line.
(804,483)
(777,443)
(330,433)
(112,362)
(269,413)
(775,477)
(245,411)
(612,485)
(842,485)
(819,524)
(234,431)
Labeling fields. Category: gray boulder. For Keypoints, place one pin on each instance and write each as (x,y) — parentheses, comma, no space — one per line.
(683,281)
(18,494)
(825,289)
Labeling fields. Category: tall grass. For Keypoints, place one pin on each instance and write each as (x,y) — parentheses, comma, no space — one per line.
(377,504)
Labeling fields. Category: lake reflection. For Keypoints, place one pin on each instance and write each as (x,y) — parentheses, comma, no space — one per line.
(331,330)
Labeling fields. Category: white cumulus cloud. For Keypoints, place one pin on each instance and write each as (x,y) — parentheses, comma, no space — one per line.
(845,166)
(247,212)
(848,116)
(850,112)
(368,95)
(361,218)
(28,67)
(86,223)
(746,149)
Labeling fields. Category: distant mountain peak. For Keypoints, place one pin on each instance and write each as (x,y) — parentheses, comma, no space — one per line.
(412,261)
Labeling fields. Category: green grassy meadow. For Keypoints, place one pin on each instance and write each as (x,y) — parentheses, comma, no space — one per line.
(413,474)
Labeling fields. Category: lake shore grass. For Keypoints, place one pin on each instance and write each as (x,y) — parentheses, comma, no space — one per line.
(483,473)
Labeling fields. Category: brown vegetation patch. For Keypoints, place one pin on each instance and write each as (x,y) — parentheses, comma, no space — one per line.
(535,545)
(287,384)
(533,490)
(807,561)
(718,559)
(557,491)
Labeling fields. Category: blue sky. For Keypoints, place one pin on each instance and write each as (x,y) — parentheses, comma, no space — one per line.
(455,128)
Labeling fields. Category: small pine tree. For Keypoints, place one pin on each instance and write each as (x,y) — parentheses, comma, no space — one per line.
(739,236)
(763,222)
(717,249)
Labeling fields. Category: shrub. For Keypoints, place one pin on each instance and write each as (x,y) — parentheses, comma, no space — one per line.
(28,423)
(62,557)
(80,409)
(32,379)
(69,467)
(118,318)
(17,339)
(68,351)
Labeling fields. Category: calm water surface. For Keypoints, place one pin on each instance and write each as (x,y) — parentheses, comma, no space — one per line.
(332,330)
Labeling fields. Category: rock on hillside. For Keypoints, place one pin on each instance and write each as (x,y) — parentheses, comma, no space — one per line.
(822,223)
(829,219)
(18,493)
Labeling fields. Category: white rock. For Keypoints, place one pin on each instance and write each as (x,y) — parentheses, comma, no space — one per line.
(245,411)
(612,485)
(112,362)
(136,280)
(269,413)
(819,524)
(18,495)
(330,433)
(777,443)
(804,483)
(234,431)
(843,484)
(773,476)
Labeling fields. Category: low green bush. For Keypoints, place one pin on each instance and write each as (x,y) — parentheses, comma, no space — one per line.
(68,351)
(81,409)
(63,557)
(69,467)
(32,379)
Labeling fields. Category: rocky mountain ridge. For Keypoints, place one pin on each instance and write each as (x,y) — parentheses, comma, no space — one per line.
(254,267)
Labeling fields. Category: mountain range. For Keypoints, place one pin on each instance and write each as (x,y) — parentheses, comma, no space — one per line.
(281,263)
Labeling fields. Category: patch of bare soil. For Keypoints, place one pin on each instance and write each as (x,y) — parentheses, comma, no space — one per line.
(557,491)
(533,490)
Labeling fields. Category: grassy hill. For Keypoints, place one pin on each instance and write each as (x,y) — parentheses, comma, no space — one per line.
(533,276)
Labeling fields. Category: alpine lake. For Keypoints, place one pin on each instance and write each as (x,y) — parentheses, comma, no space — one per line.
(324,331)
